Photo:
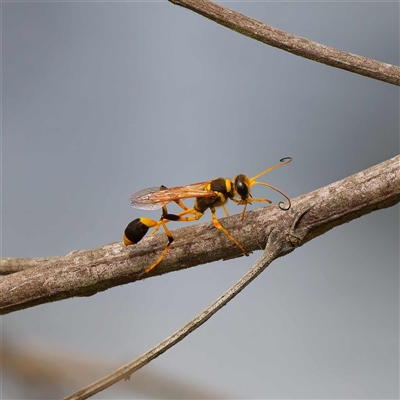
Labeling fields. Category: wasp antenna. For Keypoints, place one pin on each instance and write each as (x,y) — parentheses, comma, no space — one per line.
(283,208)
(276,190)
(283,161)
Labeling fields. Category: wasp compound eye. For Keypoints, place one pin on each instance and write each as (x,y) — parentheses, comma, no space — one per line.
(242,186)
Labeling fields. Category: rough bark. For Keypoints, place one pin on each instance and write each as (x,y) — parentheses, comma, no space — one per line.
(86,272)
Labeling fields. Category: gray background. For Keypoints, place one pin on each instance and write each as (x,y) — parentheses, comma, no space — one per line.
(103,99)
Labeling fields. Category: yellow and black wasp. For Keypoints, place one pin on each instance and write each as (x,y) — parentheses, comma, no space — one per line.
(208,195)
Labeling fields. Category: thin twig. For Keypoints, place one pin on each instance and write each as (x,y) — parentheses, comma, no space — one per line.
(306,224)
(294,44)
(84,273)
(46,370)
(273,248)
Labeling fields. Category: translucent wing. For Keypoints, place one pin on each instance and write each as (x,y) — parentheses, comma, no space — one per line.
(155,197)
(143,199)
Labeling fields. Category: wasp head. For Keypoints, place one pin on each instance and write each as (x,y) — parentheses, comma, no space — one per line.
(242,186)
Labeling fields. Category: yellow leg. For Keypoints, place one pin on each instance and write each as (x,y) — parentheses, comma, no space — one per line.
(197,215)
(176,218)
(249,201)
(180,217)
(164,253)
(221,228)
(162,222)
(226,211)
(165,211)
(181,205)
(138,228)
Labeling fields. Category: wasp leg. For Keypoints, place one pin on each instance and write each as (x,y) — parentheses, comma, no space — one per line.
(178,202)
(263,200)
(221,228)
(225,210)
(138,228)
(165,212)
(249,201)
(180,217)
(198,215)
(162,218)
(181,205)
(164,253)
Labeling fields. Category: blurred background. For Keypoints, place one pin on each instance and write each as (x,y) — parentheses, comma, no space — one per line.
(101,99)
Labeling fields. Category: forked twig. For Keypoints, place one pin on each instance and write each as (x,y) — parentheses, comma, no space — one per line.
(86,272)
(383,193)
(273,250)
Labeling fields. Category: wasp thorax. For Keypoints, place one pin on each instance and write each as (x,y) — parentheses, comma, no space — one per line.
(229,188)
(242,186)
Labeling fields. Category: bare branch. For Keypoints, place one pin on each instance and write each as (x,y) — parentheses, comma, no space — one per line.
(86,272)
(275,248)
(292,43)
(12,265)
(279,243)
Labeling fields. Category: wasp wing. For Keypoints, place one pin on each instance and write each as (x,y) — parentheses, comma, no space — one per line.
(142,199)
(156,197)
